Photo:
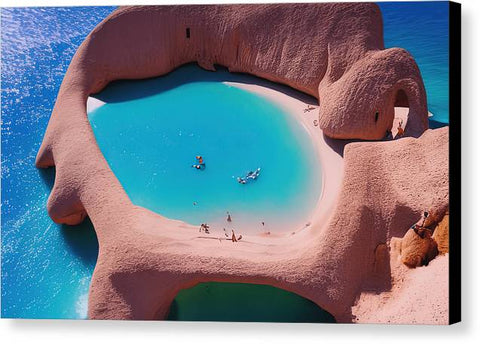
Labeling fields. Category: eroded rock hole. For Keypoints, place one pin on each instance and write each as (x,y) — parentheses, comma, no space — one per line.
(401,114)
(401,99)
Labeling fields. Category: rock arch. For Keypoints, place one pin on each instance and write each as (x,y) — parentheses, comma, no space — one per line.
(349,105)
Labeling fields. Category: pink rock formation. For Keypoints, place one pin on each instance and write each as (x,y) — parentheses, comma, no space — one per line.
(416,297)
(332,51)
(418,248)
(441,235)
(360,102)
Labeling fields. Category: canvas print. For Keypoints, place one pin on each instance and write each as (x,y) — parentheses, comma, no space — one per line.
(240,162)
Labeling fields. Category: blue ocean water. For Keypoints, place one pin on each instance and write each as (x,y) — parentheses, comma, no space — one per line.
(150,132)
(46,268)
(421,27)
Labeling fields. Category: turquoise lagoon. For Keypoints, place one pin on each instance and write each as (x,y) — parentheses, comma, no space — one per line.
(150,132)
(46,268)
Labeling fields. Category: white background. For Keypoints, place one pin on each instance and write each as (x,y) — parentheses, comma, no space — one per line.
(90,332)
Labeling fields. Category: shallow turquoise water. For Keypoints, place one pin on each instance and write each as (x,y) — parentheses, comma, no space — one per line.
(150,132)
(244,302)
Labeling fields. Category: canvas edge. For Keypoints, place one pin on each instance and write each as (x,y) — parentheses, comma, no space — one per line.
(455,298)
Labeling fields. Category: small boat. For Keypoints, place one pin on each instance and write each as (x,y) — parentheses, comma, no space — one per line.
(252,175)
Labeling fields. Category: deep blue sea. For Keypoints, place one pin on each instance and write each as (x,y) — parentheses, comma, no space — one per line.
(46,268)
(422,29)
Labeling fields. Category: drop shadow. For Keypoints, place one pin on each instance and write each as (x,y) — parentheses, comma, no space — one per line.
(125,90)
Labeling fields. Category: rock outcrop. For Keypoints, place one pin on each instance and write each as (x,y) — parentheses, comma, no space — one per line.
(418,248)
(332,51)
(425,239)
(360,102)
(441,235)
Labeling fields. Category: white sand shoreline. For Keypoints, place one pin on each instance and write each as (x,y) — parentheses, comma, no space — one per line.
(93,104)
(331,162)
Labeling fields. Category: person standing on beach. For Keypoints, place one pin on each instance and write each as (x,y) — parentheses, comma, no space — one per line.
(400,131)
(229,218)
(234,238)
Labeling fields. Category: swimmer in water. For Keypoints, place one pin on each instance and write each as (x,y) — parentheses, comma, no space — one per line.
(199,167)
